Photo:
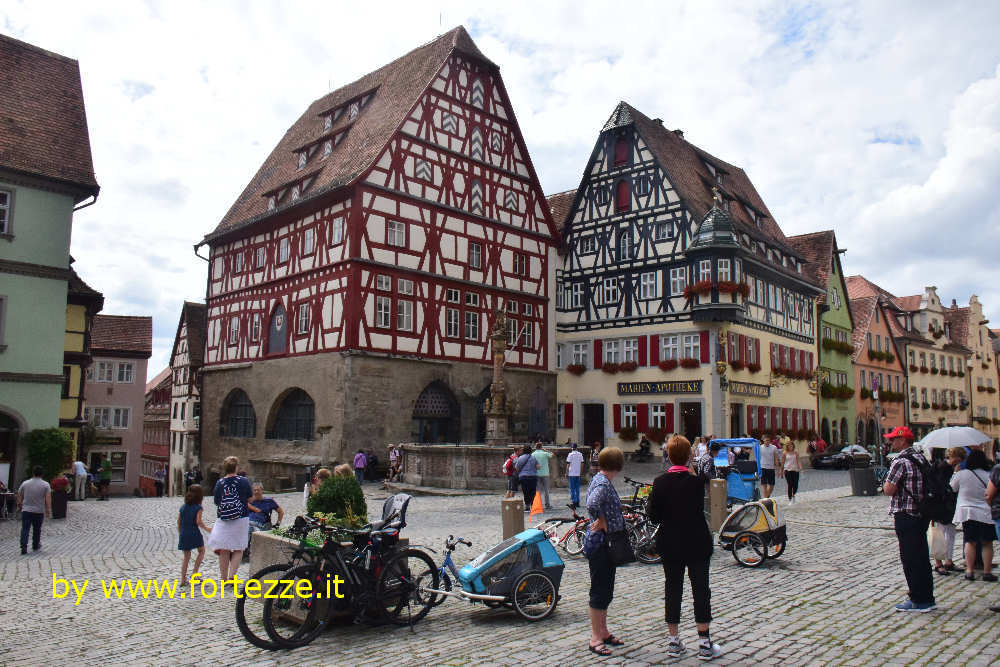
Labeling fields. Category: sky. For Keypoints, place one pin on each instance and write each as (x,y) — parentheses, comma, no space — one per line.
(879,120)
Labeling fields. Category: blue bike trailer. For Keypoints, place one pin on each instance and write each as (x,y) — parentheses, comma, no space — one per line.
(493,572)
(743,476)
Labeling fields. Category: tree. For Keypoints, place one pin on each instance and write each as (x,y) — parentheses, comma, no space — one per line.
(341,497)
(50,448)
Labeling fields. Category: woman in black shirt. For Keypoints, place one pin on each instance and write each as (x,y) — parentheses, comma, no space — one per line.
(677,503)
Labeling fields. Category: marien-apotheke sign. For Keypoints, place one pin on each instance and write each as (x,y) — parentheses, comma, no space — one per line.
(749,389)
(673,387)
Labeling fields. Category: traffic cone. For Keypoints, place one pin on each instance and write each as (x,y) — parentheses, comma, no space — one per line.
(536,506)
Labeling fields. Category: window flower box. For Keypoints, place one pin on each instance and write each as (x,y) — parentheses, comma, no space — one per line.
(668,364)
(925,405)
(924,369)
(576,369)
(627,366)
(754,367)
(700,287)
(690,362)
(934,371)
(913,368)
(628,434)
(610,367)
(935,406)
(980,388)
(914,404)
(866,393)
(737,365)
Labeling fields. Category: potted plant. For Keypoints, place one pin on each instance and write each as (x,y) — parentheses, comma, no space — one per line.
(690,362)
(923,369)
(925,405)
(576,369)
(754,367)
(627,366)
(628,434)
(610,367)
(914,404)
(668,364)
(913,368)
(934,370)
(656,435)
(737,365)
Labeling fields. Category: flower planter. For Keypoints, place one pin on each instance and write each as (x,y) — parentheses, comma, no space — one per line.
(610,368)
(753,368)
(576,369)
(689,362)
(737,365)
(627,366)
(668,364)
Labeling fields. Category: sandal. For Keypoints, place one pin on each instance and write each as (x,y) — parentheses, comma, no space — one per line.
(611,640)
(600,650)
(942,570)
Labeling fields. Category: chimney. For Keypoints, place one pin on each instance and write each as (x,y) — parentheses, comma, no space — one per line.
(658,121)
(954,304)
(679,133)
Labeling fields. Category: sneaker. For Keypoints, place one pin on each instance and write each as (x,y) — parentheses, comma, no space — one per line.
(909,605)
(675,648)
(989,577)
(709,651)
(24,551)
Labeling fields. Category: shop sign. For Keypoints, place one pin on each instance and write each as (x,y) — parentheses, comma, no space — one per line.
(749,389)
(672,387)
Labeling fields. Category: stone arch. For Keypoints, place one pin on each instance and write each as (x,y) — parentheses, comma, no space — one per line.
(238,419)
(824,430)
(292,416)
(277,330)
(12,425)
(873,434)
(861,432)
(436,414)
(844,430)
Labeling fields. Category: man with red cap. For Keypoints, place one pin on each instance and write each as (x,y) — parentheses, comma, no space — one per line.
(906,488)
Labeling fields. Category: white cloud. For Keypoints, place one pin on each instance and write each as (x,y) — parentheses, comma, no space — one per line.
(876,120)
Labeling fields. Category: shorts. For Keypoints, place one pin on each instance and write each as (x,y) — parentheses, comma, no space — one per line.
(977,532)
(602,578)
(767,476)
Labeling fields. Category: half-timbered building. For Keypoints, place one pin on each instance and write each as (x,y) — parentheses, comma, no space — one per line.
(186,360)
(353,283)
(681,307)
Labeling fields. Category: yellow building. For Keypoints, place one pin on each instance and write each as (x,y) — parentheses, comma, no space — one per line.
(82,303)
(968,326)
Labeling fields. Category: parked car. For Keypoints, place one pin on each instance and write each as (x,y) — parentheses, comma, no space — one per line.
(851,456)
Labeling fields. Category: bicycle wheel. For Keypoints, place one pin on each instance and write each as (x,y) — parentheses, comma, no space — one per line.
(574,543)
(748,549)
(296,621)
(645,548)
(250,611)
(775,549)
(399,593)
(534,595)
(445,586)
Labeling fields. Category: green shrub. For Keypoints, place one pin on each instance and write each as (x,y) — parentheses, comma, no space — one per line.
(340,497)
(50,448)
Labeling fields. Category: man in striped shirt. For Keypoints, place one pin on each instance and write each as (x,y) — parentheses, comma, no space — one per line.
(905,487)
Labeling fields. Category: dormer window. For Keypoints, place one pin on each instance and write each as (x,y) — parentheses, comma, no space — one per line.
(353,111)
(302,159)
(272,201)
(327,148)
(295,193)
(327,123)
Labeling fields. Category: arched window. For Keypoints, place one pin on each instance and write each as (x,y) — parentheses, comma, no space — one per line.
(623,196)
(825,431)
(844,433)
(295,419)
(861,433)
(238,419)
(622,150)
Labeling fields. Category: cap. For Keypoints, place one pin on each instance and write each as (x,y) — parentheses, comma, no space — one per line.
(574,446)
(899,432)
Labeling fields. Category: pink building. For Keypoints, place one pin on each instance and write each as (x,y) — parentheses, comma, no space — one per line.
(115,396)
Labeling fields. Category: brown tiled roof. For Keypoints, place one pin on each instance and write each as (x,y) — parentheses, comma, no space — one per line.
(194,313)
(909,303)
(958,320)
(83,292)
(43,123)
(817,249)
(862,310)
(122,333)
(859,286)
(560,204)
(397,87)
(160,377)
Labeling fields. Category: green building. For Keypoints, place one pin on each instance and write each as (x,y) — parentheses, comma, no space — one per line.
(46,173)
(835,373)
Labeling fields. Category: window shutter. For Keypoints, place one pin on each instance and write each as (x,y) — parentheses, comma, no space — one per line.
(756,350)
(747,426)
(622,149)
(704,347)
(623,196)
(784,419)
(642,350)
(669,409)
(774,355)
(743,348)
(654,350)
(795,420)
(618,417)
(642,417)
(809,358)
(774,420)
(568,415)
(803,356)
(598,354)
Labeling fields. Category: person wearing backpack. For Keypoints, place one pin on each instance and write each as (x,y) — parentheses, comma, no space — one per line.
(508,471)
(973,512)
(906,485)
(230,534)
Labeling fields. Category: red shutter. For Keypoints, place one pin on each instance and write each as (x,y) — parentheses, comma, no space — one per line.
(774,355)
(654,350)
(743,347)
(669,408)
(761,417)
(756,350)
(795,420)
(704,347)
(642,350)
(730,347)
(568,415)
(812,420)
(623,196)
(803,357)
(809,358)
(618,417)
(781,357)
(599,354)
(774,420)
(642,417)
(784,419)
(621,151)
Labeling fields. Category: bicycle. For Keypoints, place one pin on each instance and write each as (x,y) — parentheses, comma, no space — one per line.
(637,502)
(573,539)
(642,536)
(382,584)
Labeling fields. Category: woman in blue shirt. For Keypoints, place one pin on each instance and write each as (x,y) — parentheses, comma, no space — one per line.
(605,508)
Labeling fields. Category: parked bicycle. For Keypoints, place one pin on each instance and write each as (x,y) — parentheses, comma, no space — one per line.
(639,495)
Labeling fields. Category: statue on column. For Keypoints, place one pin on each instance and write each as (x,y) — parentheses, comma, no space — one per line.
(496,407)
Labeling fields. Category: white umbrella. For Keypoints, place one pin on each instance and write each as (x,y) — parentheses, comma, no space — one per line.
(953,436)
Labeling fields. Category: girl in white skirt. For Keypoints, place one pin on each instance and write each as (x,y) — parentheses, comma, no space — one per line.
(231,532)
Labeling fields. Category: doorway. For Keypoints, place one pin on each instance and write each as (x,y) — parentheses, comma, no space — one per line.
(735,423)
(593,423)
(691,420)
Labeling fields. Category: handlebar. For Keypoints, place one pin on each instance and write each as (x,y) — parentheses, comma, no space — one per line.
(452,542)
(629,480)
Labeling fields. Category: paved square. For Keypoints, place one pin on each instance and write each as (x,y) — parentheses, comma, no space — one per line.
(828,600)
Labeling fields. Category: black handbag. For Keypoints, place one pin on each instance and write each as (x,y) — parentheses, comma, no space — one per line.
(619,548)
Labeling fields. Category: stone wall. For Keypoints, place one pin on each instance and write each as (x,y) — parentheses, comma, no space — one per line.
(473,466)
(362,402)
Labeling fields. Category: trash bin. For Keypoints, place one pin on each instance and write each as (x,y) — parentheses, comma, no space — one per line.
(863,481)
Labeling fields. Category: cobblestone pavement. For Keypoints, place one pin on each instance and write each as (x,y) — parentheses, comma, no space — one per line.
(827,600)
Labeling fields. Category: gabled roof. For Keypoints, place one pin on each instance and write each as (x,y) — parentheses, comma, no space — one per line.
(160,378)
(909,303)
(858,286)
(81,293)
(195,315)
(43,123)
(862,312)
(818,250)
(560,204)
(396,87)
(126,334)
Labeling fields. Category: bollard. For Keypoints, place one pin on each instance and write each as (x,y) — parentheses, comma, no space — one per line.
(717,502)
(511,516)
